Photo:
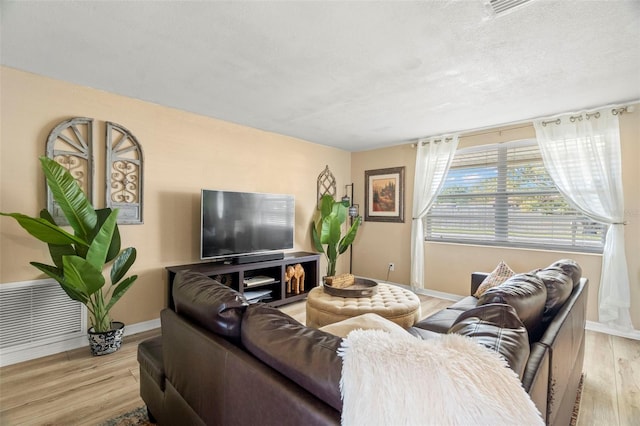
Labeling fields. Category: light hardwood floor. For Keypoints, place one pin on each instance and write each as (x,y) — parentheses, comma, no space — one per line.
(74,388)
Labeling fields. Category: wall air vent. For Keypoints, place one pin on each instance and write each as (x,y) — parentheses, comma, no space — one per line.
(500,7)
(35,316)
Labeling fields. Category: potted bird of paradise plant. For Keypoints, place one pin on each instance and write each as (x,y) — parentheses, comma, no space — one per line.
(326,230)
(80,258)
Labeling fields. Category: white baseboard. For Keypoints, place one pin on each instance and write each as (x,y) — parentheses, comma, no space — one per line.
(69,344)
(439,294)
(142,326)
(602,328)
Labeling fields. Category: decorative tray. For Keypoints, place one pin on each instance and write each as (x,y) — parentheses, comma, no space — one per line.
(362,287)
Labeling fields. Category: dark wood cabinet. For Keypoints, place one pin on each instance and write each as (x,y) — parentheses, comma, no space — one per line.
(272,272)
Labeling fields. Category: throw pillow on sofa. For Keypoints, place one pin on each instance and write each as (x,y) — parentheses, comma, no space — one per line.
(497,327)
(500,274)
(305,355)
(217,307)
(527,294)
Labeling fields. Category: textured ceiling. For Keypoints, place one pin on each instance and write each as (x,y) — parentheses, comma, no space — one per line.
(351,74)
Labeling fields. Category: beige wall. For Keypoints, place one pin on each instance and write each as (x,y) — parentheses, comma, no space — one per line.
(379,243)
(183,153)
(448,266)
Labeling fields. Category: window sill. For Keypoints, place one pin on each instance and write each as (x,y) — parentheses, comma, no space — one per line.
(528,249)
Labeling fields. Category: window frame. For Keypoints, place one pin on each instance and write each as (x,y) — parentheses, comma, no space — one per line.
(501,223)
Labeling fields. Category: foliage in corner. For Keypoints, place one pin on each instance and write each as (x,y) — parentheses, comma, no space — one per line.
(326,230)
(80,258)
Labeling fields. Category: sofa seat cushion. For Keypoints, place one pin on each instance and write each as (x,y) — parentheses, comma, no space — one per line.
(368,321)
(214,306)
(527,294)
(150,359)
(497,327)
(465,304)
(440,322)
(305,355)
(423,334)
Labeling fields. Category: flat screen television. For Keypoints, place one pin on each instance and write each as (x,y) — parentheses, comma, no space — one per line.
(243,223)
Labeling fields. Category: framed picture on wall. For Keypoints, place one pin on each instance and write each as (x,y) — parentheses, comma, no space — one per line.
(384,195)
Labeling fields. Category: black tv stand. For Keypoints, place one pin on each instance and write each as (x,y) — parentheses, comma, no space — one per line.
(236,275)
(260,257)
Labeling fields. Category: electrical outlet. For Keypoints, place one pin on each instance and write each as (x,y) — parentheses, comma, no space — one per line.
(392,266)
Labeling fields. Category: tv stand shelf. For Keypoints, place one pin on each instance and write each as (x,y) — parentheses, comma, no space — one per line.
(234,276)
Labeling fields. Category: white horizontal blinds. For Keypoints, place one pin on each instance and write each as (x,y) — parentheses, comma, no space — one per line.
(464,210)
(502,195)
(537,213)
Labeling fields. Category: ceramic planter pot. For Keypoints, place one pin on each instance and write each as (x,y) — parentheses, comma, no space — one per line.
(108,341)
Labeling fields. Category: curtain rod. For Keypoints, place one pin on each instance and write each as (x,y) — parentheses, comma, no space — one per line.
(573,118)
(616,109)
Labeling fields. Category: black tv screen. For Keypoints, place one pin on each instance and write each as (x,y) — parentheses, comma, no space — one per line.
(240,223)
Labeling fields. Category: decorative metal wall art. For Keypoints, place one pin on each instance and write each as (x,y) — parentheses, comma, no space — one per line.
(70,144)
(326,184)
(124,174)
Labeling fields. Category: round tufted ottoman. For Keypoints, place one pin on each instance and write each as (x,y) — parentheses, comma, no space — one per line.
(391,302)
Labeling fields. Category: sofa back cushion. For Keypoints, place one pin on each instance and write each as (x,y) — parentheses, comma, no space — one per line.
(559,286)
(305,355)
(214,306)
(527,294)
(497,327)
(569,267)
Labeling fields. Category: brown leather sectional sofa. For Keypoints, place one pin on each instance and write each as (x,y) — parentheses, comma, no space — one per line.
(221,361)
(551,303)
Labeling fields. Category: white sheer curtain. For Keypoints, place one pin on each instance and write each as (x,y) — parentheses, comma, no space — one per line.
(582,154)
(433,160)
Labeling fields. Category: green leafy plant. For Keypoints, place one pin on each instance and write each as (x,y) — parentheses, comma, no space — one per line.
(326,230)
(80,258)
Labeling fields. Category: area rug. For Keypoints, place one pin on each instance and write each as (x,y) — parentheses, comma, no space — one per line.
(137,417)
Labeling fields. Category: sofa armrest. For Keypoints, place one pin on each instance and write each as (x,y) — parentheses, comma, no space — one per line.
(211,380)
(476,280)
(535,379)
(194,364)
(565,339)
(152,383)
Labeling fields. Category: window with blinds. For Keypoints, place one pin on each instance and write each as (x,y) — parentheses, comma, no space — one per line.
(502,195)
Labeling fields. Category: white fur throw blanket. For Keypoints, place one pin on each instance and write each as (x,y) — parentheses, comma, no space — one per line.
(392,379)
